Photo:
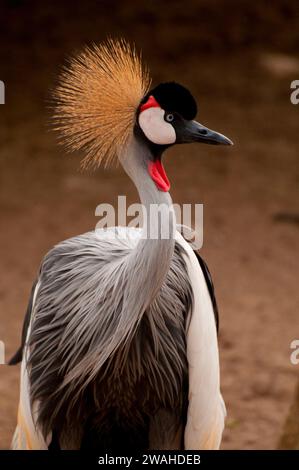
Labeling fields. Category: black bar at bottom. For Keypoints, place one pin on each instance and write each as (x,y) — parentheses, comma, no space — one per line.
(89,460)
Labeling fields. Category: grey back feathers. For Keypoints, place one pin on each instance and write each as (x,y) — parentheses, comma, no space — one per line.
(90,358)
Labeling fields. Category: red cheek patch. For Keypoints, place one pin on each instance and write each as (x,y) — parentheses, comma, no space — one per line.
(158,175)
(150,103)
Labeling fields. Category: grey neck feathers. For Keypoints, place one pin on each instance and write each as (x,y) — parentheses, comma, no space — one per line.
(146,267)
(150,260)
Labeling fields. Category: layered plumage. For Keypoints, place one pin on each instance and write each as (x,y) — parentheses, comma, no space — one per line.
(191,346)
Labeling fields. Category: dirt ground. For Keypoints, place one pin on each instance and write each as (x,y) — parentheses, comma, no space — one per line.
(250,192)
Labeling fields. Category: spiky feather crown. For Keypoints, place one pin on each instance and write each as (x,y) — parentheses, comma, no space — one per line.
(97,99)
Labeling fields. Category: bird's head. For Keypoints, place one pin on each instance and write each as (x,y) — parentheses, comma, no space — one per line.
(103,102)
(166,117)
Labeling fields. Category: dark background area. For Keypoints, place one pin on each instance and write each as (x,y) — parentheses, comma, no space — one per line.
(239,59)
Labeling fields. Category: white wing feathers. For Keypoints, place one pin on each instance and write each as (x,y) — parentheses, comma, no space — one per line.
(206,411)
(27,436)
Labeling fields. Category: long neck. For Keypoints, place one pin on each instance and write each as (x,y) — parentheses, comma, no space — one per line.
(150,260)
(142,271)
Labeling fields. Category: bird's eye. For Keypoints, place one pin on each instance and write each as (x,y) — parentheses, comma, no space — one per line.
(169,117)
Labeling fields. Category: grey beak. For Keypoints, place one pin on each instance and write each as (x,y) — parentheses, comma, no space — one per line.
(196,132)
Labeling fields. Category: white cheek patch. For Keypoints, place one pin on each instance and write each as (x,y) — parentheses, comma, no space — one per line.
(156,129)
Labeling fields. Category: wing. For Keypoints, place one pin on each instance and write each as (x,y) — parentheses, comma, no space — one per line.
(206,409)
(17,357)
(26,436)
(210,286)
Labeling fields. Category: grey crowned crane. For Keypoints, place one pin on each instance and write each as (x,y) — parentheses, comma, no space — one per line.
(119,345)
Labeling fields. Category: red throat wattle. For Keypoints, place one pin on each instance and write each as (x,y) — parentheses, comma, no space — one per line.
(158,175)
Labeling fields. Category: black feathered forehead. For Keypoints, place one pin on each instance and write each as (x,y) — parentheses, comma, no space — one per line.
(174,97)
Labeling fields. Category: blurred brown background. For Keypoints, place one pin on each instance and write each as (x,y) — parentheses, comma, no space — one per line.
(239,59)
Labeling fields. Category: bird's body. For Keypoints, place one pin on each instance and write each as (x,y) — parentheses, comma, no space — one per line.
(129,402)
(119,343)
(147,370)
